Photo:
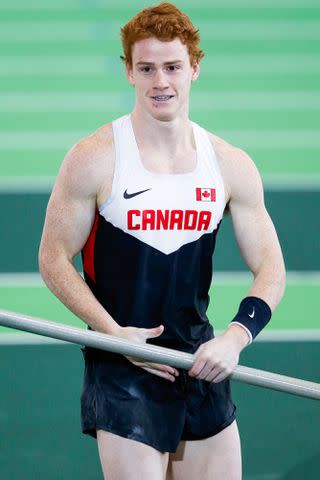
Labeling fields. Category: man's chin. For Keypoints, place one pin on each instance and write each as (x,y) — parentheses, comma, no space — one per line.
(163,116)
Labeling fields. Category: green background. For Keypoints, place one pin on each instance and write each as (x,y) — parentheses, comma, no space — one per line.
(60,79)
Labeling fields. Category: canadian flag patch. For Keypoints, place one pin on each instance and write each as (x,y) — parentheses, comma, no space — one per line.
(206,194)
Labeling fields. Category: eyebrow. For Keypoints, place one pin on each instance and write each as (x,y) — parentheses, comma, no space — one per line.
(165,63)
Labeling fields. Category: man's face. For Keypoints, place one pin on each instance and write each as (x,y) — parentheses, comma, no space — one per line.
(161,74)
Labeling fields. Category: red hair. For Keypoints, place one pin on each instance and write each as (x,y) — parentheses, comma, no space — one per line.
(165,22)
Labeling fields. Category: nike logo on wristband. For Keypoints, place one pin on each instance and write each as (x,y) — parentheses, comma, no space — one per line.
(130,195)
(252,314)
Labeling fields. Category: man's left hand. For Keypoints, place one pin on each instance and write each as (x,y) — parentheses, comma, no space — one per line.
(217,358)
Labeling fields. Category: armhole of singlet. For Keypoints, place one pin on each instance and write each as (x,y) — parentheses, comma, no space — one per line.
(212,156)
(116,174)
(217,167)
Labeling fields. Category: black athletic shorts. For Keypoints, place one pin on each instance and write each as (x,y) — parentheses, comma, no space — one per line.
(124,399)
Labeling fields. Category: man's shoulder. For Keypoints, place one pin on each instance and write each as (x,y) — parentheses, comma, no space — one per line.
(92,151)
(99,142)
(89,163)
(237,167)
(230,156)
(223,149)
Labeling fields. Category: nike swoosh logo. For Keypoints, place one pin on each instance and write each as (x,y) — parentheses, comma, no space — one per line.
(252,314)
(130,195)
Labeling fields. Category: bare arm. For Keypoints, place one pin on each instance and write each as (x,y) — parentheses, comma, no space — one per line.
(69,219)
(255,233)
(84,178)
(259,246)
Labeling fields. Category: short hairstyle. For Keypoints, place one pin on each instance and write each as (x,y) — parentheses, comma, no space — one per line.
(165,22)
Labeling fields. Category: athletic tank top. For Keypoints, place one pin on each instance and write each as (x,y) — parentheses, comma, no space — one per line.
(148,259)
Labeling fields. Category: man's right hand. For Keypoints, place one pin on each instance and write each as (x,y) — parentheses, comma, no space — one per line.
(140,335)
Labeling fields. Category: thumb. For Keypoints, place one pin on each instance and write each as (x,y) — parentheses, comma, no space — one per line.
(154,332)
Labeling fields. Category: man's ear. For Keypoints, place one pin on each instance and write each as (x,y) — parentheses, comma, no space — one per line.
(129,74)
(195,71)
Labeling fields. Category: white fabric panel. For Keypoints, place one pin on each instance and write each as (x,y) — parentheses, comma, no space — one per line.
(170,197)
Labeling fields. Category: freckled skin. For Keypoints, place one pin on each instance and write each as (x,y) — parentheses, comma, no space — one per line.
(164,137)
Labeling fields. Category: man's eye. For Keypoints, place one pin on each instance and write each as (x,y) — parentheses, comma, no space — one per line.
(172,68)
(146,69)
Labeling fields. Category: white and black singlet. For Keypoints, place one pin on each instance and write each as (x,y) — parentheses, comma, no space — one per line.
(148,259)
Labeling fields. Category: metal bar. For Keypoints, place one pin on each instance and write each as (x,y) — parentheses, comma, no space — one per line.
(153,353)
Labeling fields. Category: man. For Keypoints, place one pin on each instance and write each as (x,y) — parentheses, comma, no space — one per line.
(143,198)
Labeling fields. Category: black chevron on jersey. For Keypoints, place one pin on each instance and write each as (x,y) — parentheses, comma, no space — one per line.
(140,286)
(148,259)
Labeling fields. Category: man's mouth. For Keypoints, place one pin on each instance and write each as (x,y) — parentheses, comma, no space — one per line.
(162,98)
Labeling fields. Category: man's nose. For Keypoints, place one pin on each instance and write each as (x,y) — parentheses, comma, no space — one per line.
(160,79)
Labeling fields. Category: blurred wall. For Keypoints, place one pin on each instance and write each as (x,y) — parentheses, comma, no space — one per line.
(61,78)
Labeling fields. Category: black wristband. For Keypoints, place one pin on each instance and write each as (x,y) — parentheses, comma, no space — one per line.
(253,314)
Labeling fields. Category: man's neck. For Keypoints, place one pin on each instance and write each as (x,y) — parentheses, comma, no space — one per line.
(169,137)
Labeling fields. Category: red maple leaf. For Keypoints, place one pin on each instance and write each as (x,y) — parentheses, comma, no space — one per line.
(206,194)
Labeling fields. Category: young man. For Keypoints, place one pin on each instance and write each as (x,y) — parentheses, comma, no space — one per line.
(143,198)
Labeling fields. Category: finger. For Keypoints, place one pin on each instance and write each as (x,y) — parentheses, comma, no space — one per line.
(136,361)
(153,332)
(207,369)
(158,373)
(197,367)
(155,366)
(213,375)
(164,368)
(160,367)
(139,362)
(133,359)
(221,376)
